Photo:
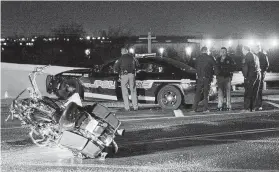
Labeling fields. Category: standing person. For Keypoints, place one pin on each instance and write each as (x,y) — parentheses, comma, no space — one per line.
(264,65)
(252,74)
(205,71)
(126,67)
(225,66)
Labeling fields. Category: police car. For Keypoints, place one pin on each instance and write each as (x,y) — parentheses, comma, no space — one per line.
(158,80)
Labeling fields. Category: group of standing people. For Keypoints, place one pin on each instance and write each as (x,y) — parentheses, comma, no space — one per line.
(254,67)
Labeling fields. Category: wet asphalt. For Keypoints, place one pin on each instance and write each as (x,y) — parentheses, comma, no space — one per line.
(157,140)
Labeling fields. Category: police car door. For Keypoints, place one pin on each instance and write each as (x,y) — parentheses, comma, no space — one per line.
(101,85)
(146,79)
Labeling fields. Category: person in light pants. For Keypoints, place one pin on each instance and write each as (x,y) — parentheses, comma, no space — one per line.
(126,67)
(129,79)
(264,65)
(224,88)
(225,66)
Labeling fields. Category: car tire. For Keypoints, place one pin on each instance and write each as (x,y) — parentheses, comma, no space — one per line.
(169,97)
(63,93)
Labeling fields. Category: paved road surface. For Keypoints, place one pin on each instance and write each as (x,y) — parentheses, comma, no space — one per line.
(157,140)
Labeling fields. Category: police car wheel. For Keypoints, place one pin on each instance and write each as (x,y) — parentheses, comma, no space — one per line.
(67,88)
(169,97)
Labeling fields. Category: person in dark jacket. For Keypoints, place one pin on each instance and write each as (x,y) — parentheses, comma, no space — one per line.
(126,67)
(252,75)
(225,66)
(264,65)
(205,70)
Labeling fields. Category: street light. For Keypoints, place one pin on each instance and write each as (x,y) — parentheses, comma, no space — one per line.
(188,51)
(88,37)
(230,42)
(208,43)
(87,52)
(274,42)
(161,50)
(251,42)
(132,51)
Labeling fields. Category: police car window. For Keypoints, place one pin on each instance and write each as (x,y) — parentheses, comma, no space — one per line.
(180,65)
(108,68)
(152,68)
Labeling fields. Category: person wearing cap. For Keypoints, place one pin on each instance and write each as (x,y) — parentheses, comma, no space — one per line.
(205,70)
(126,68)
(252,75)
(264,65)
(225,66)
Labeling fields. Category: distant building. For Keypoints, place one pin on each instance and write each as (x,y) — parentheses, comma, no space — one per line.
(171,46)
(187,48)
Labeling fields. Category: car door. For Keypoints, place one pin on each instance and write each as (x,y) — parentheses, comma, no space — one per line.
(148,77)
(101,85)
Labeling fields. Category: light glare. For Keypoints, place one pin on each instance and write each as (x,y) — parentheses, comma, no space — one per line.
(188,51)
(87,52)
(251,42)
(230,42)
(208,43)
(161,50)
(274,42)
(131,50)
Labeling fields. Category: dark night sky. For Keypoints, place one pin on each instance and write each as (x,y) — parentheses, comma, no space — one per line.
(164,18)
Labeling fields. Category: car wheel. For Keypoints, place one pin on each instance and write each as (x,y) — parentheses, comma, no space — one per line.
(68,87)
(169,97)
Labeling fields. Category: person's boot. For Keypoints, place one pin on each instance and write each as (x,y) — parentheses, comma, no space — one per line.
(206,111)
(228,109)
(219,109)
